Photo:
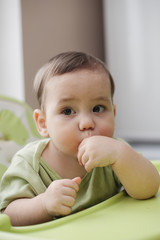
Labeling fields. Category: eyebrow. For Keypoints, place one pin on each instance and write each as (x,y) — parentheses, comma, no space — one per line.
(106,99)
(68,99)
(102,99)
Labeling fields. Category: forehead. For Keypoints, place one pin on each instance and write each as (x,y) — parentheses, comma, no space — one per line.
(79,83)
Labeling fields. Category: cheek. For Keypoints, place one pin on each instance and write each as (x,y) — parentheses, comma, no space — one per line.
(65,139)
(106,129)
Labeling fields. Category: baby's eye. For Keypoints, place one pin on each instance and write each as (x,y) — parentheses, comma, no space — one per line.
(98,108)
(68,111)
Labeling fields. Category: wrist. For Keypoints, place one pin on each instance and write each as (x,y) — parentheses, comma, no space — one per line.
(118,153)
(43,205)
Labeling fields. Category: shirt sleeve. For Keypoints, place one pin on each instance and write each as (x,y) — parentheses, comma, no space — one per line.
(19,181)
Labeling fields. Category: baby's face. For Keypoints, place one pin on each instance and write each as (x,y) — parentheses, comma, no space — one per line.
(78,105)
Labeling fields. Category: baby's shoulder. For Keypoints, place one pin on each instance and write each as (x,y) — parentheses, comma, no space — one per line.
(31,152)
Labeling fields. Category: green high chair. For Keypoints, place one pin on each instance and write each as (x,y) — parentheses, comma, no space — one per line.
(118,218)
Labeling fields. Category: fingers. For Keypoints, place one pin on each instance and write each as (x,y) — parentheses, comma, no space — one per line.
(73,183)
(86,161)
(64,210)
(67,191)
(68,201)
(81,151)
(61,195)
(71,187)
(77,180)
(84,157)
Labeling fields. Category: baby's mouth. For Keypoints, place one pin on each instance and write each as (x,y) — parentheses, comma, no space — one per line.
(87,133)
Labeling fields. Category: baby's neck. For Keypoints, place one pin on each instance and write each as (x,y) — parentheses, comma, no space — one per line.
(64,166)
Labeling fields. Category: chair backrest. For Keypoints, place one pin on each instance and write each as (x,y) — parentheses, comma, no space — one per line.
(17,127)
(2,170)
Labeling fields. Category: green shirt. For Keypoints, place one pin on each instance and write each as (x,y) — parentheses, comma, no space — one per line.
(29,175)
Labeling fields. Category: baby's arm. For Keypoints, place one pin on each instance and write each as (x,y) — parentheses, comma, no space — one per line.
(137,174)
(57,200)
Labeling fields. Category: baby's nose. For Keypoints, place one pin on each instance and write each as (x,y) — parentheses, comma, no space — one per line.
(86,123)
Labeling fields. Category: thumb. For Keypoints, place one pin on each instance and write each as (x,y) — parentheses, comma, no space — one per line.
(77,180)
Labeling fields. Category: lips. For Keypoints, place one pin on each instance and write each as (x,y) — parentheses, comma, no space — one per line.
(86,134)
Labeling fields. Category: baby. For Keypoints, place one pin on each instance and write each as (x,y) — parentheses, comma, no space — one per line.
(79,162)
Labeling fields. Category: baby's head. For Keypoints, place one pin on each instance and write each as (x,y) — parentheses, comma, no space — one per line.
(75,92)
(64,63)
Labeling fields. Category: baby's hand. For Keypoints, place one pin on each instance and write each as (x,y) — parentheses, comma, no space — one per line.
(97,151)
(60,196)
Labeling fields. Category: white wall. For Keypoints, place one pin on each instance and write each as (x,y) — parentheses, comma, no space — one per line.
(11,60)
(132,40)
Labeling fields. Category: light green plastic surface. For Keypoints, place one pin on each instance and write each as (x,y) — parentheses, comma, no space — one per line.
(120,217)
(11,125)
(2,170)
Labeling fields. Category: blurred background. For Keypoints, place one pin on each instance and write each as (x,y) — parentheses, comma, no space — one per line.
(125,34)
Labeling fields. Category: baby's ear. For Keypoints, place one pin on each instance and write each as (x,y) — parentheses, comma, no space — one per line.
(40,120)
(114,109)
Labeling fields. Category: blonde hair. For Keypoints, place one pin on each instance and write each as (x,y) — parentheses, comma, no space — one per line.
(64,63)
